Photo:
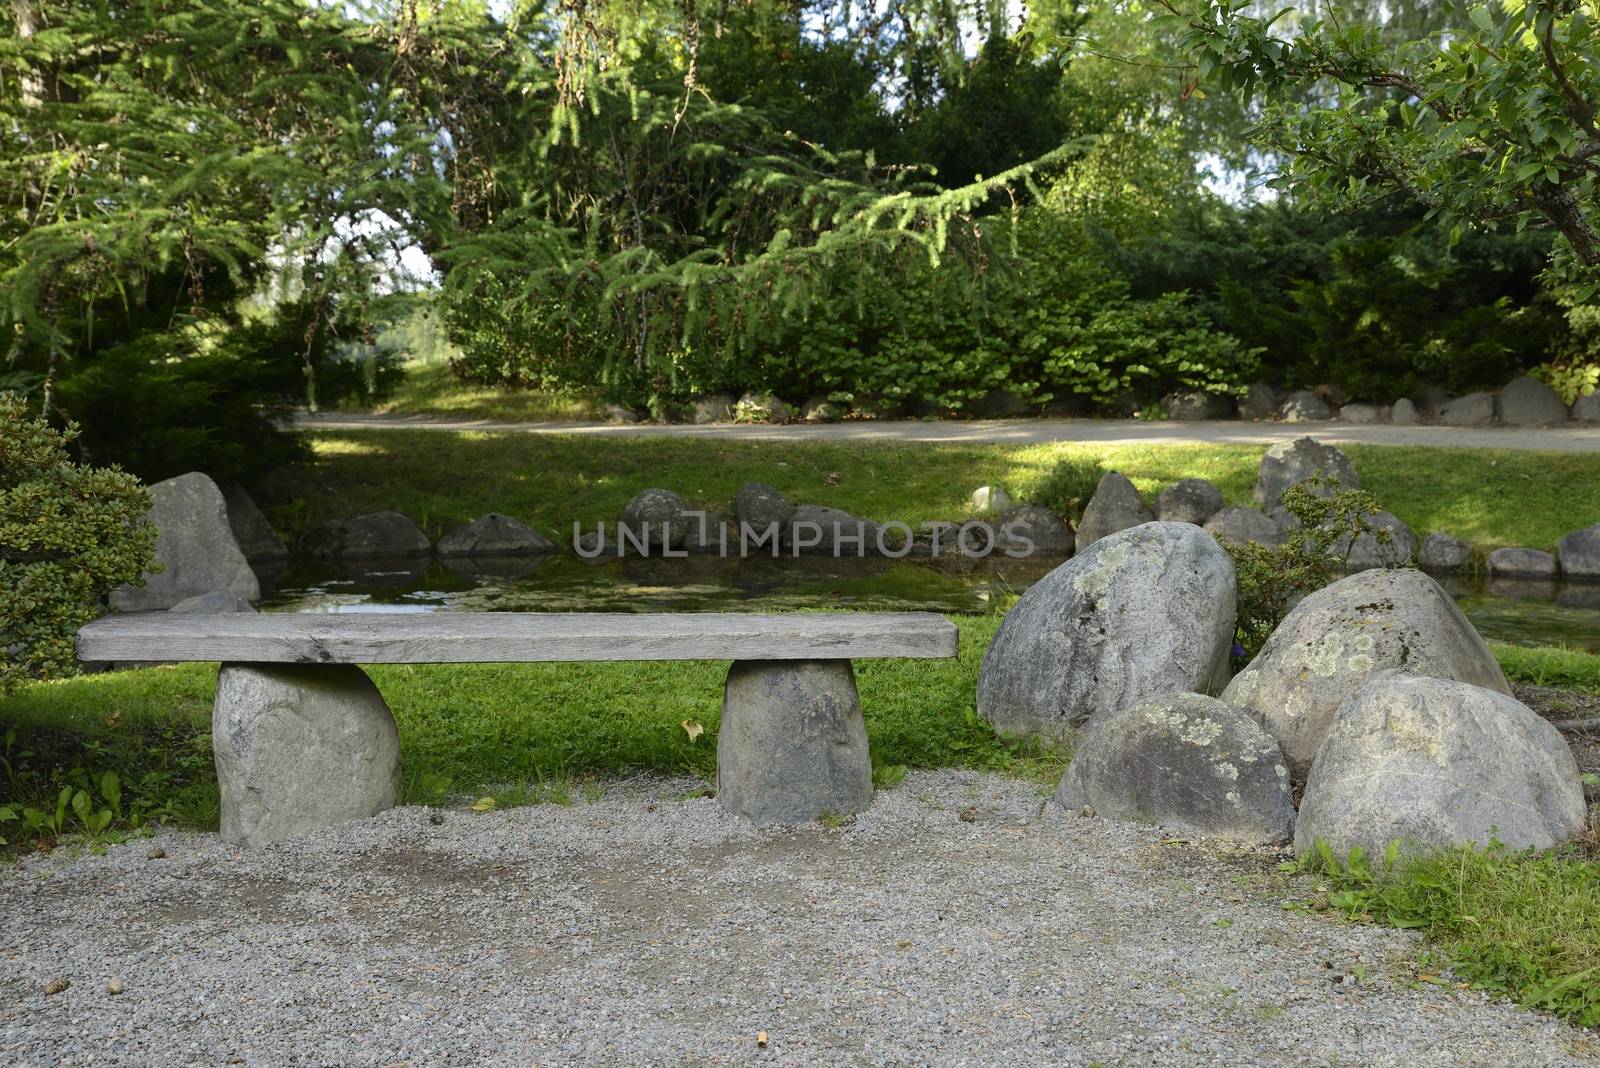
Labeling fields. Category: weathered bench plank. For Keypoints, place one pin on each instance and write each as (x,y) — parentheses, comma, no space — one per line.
(512,637)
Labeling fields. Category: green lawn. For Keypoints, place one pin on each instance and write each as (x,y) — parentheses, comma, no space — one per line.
(1489,497)
(436,391)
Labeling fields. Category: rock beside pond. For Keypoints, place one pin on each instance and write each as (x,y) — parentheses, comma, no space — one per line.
(656,517)
(377,534)
(1239,525)
(1474,409)
(1142,612)
(1443,554)
(820,530)
(217,602)
(256,538)
(760,506)
(494,534)
(1432,763)
(195,546)
(1115,505)
(1522,563)
(987,499)
(1033,530)
(1304,406)
(1368,551)
(1526,401)
(1578,553)
(1288,463)
(1189,500)
(1184,761)
(1338,636)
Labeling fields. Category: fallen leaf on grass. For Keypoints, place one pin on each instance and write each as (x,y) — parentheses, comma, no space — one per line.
(484,804)
(694,729)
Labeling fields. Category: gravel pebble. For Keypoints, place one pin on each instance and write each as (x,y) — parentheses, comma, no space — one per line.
(650,929)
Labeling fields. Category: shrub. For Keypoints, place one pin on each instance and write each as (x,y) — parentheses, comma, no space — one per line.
(68,534)
(1068,486)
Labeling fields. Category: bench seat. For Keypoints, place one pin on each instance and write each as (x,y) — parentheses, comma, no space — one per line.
(303,739)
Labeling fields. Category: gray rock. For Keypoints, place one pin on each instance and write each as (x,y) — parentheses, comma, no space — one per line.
(1260,402)
(378,534)
(494,535)
(1474,409)
(761,506)
(1522,563)
(1195,405)
(1304,406)
(756,407)
(999,404)
(1143,612)
(1239,525)
(716,408)
(822,410)
(299,748)
(1432,763)
(824,531)
(1033,530)
(1587,409)
(594,545)
(194,545)
(1115,506)
(1291,462)
(1334,639)
(216,602)
(1189,500)
(1431,401)
(1404,413)
(1526,401)
(618,414)
(1367,551)
(1183,761)
(656,517)
(1443,553)
(1578,553)
(1360,413)
(256,538)
(793,745)
(989,499)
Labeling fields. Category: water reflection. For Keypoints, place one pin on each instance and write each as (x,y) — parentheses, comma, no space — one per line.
(1520,611)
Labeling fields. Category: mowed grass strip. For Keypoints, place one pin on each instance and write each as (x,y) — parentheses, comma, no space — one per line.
(1488,497)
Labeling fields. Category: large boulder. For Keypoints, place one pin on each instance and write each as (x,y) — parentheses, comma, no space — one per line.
(1443,554)
(1367,551)
(1189,500)
(217,602)
(814,528)
(755,407)
(1289,463)
(1115,506)
(1587,409)
(375,535)
(1578,553)
(1522,563)
(1404,413)
(1474,409)
(657,518)
(1431,763)
(1361,413)
(822,410)
(1184,761)
(1328,645)
(1526,401)
(715,408)
(194,545)
(1240,525)
(1304,406)
(1143,612)
(1194,405)
(256,538)
(1260,402)
(760,506)
(1033,530)
(494,535)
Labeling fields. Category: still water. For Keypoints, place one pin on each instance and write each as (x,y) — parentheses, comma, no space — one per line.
(1519,612)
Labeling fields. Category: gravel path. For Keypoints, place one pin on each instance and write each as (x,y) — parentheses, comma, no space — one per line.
(1573,437)
(954,924)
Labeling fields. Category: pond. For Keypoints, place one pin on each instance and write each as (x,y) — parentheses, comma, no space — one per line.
(1514,611)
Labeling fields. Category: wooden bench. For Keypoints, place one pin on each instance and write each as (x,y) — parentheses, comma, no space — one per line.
(303,739)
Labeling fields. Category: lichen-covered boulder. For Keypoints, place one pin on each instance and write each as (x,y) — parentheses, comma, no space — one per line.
(1115,505)
(657,518)
(494,535)
(760,506)
(1304,406)
(1431,763)
(1143,612)
(715,408)
(1289,463)
(195,546)
(1185,761)
(1328,645)
(1189,500)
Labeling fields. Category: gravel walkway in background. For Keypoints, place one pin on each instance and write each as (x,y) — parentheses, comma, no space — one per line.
(1572,437)
(961,921)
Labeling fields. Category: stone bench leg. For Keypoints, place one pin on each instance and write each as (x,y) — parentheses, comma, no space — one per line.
(299,747)
(792,745)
